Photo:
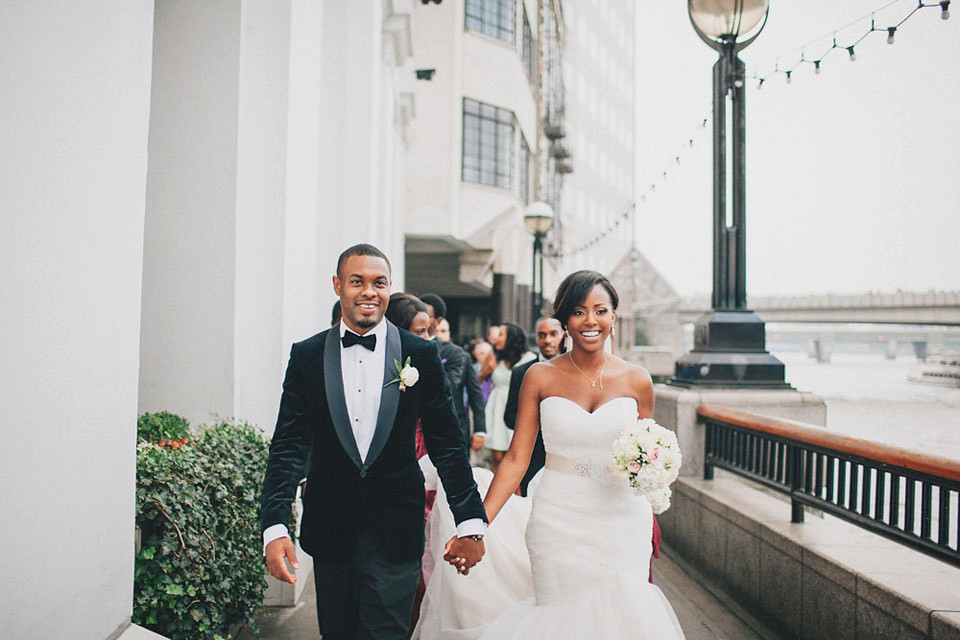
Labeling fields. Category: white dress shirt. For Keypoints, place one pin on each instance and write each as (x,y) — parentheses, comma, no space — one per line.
(362,372)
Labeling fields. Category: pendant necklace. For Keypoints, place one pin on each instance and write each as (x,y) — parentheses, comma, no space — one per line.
(593,382)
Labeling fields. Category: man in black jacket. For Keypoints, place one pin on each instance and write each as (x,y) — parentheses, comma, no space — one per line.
(461,376)
(351,400)
(549,339)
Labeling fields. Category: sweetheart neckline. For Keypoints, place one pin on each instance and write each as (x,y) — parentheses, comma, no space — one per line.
(597,408)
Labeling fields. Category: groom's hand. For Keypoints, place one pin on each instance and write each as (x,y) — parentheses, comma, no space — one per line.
(276,552)
(464,553)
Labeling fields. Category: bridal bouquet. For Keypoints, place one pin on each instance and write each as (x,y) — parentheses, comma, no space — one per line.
(648,456)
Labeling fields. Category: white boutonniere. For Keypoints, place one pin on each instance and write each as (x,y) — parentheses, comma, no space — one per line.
(407,375)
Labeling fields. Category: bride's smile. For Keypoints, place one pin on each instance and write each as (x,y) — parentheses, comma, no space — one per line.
(591,321)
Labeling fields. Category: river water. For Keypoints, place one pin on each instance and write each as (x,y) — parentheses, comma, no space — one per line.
(869,397)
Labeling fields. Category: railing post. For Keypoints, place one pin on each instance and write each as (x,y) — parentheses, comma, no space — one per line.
(795,464)
(710,432)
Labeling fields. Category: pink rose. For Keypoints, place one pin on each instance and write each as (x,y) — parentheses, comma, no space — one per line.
(634,466)
(654,454)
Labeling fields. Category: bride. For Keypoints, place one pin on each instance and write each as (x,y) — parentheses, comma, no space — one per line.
(584,572)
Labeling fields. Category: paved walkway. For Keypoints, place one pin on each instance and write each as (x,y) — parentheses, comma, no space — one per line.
(705,613)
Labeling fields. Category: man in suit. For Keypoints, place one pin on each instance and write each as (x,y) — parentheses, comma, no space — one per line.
(549,338)
(348,409)
(461,375)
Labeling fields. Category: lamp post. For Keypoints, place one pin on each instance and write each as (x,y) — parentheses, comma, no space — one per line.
(729,341)
(538,218)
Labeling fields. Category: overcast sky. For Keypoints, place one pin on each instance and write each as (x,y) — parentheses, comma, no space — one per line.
(852,175)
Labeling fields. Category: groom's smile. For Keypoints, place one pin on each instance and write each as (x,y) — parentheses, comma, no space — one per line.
(363,285)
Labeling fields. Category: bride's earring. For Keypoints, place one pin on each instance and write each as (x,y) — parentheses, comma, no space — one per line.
(613,330)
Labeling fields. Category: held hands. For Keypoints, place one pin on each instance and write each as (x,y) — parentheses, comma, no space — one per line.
(276,552)
(476,442)
(463,553)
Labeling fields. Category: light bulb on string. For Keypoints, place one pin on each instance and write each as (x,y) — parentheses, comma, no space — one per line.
(760,84)
(945,10)
(816,67)
(891,31)
(788,76)
(853,55)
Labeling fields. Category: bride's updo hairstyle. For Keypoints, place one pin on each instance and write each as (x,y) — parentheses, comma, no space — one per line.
(574,290)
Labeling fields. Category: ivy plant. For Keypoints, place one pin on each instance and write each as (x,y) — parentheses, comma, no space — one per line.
(199,571)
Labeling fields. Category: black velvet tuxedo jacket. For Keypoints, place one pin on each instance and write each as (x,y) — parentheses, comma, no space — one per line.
(460,374)
(384,492)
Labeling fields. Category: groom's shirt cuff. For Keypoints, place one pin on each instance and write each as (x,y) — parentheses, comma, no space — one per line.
(471,527)
(274,532)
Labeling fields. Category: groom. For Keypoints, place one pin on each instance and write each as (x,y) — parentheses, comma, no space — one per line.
(348,409)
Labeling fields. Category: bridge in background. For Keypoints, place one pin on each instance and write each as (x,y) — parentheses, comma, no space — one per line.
(902,307)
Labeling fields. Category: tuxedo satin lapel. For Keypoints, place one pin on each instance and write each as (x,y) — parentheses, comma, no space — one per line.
(336,401)
(389,396)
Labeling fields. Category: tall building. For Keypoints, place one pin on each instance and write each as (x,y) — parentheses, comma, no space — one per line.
(528,100)
(473,158)
(599,193)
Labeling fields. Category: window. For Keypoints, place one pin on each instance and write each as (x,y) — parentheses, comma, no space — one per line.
(495,18)
(529,57)
(487,144)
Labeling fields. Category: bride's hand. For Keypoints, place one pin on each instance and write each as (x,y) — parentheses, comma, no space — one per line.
(466,554)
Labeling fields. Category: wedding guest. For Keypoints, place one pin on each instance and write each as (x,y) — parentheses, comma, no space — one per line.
(443,330)
(511,350)
(460,375)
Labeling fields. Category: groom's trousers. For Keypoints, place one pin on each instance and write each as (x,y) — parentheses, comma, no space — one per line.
(365,596)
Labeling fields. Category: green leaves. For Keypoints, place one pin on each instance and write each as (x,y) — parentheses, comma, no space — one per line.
(154,427)
(200,568)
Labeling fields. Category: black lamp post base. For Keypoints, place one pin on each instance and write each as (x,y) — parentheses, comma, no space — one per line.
(729,352)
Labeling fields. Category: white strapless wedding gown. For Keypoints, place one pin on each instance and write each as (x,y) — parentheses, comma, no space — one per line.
(583,572)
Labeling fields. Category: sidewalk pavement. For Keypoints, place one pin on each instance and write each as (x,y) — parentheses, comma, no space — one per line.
(705,613)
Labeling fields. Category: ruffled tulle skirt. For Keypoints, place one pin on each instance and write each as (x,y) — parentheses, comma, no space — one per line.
(570,561)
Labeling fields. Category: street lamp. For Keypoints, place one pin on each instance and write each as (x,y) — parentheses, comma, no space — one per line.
(729,341)
(538,218)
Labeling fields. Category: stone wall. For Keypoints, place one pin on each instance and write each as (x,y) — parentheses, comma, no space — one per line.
(824,578)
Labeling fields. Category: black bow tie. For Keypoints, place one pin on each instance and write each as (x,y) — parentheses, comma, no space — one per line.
(350,338)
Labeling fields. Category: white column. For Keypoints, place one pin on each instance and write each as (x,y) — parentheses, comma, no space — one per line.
(261,205)
(74,114)
(215,242)
(351,130)
(190,241)
(307,289)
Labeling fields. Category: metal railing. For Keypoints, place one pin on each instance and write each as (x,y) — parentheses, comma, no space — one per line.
(911,497)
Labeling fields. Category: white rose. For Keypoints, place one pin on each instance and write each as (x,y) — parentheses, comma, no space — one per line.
(409,376)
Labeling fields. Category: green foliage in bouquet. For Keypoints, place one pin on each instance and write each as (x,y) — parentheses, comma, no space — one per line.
(199,571)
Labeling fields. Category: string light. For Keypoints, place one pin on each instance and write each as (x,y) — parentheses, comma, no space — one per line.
(625,215)
(890,32)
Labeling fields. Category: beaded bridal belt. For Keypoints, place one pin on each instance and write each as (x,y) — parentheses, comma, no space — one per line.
(583,467)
